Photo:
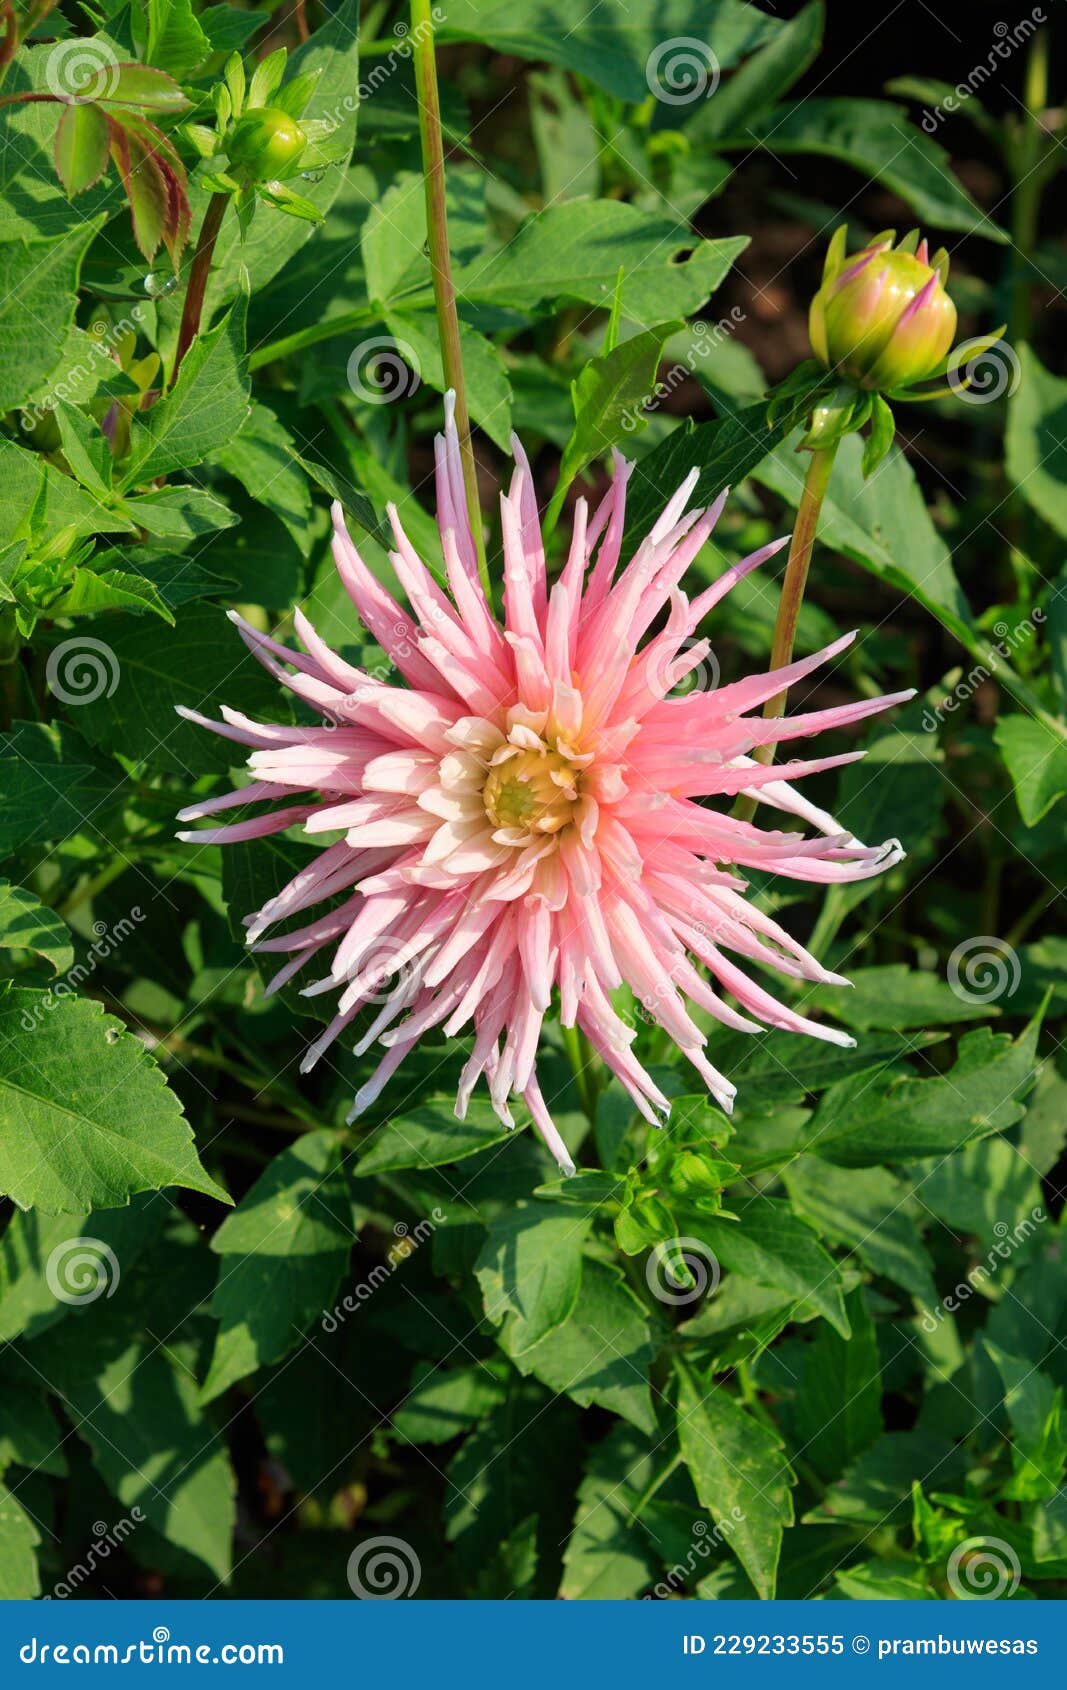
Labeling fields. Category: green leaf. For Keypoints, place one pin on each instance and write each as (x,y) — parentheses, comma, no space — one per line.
(154,1447)
(611,43)
(1036,450)
(530,1271)
(876,137)
(865,1209)
(263,459)
(82,141)
(883,524)
(896,996)
(764,77)
(602,1353)
(775,1069)
(606,1558)
(431,1136)
(876,1489)
(28,925)
(441,1406)
(34,802)
(85,445)
(284,1249)
(87,1117)
(488,388)
(740,1474)
(770,1245)
(575,251)
(38,284)
(179,513)
(205,410)
(1035,1409)
(839,1398)
(724,452)
(912,1118)
(609,397)
(19,1538)
(883,1581)
(176,42)
(1036,757)
(29,1433)
(200,664)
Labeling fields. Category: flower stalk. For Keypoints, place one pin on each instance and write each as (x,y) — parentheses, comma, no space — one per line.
(433,162)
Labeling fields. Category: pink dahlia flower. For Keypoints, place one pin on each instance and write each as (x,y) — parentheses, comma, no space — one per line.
(526,814)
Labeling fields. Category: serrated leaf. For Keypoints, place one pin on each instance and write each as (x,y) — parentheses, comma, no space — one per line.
(176,41)
(1036,757)
(27,924)
(865,1209)
(263,459)
(530,1270)
(911,1118)
(284,1249)
(602,1353)
(838,1406)
(575,251)
(87,1117)
(442,1405)
(609,397)
(201,664)
(770,1245)
(740,1474)
(38,281)
(81,147)
(613,42)
(205,410)
(19,1538)
(431,1136)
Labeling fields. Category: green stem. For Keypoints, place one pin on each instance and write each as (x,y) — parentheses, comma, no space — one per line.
(311,335)
(584,1065)
(1029,183)
(198,276)
(89,888)
(654,1485)
(796,576)
(433,164)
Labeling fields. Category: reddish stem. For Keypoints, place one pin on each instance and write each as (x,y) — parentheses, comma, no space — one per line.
(198,275)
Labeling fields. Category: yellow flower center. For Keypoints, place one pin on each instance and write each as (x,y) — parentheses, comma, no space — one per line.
(534,790)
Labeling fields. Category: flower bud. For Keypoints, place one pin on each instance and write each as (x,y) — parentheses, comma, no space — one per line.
(882,318)
(265,143)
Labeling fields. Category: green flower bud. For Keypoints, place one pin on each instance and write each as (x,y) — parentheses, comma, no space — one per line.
(882,318)
(265,143)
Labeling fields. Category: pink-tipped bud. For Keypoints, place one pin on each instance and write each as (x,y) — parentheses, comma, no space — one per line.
(882,317)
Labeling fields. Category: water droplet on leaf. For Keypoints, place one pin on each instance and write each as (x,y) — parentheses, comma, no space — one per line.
(312,175)
(157,284)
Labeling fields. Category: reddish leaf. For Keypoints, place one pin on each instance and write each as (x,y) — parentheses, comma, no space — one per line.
(145,188)
(81,147)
